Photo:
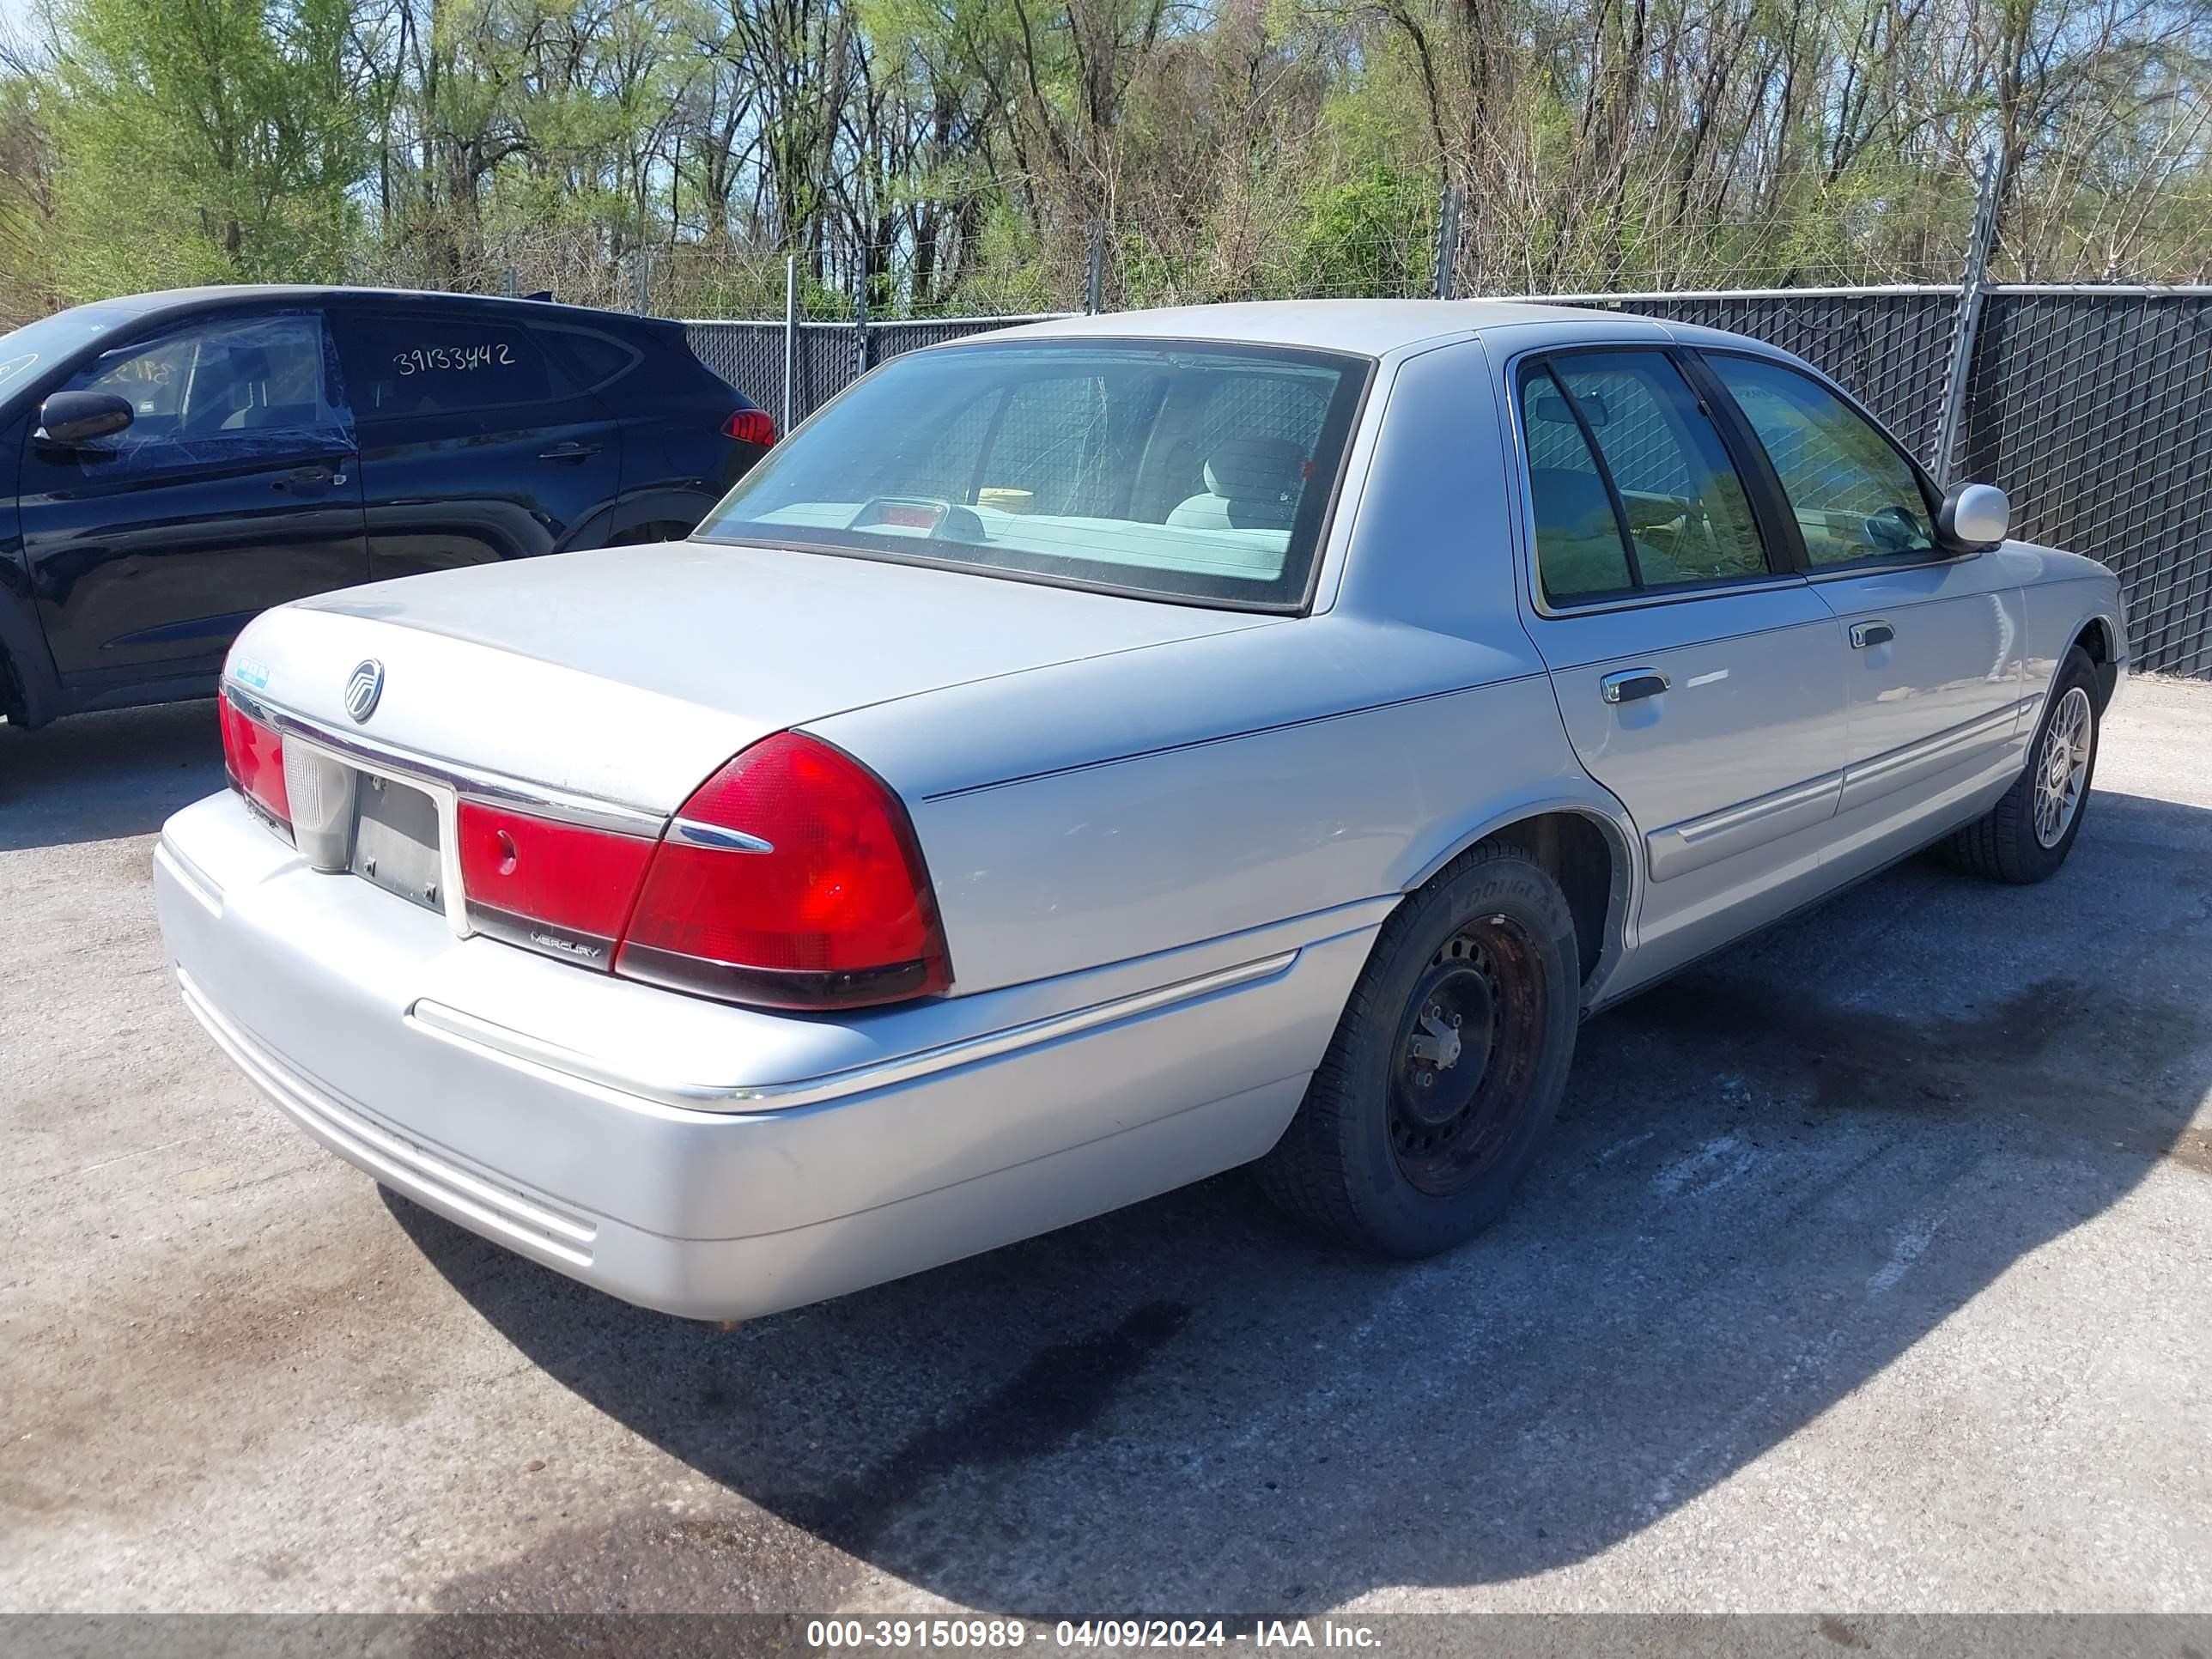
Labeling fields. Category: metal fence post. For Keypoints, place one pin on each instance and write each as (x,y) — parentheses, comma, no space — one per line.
(1447,242)
(790,337)
(1969,319)
(1094,275)
(861,314)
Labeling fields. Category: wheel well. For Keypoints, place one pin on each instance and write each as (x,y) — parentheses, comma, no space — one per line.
(2095,640)
(1579,855)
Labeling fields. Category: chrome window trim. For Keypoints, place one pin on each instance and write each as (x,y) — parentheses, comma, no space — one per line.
(511,1046)
(1766,583)
(1875,563)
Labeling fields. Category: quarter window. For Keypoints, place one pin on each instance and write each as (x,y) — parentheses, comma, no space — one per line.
(1853,494)
(1631,488)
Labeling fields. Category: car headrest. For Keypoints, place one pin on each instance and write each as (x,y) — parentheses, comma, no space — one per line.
(1256,470)
(250,362)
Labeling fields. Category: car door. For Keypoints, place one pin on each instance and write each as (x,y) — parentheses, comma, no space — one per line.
(1934,666)
(1699,679)
(474,445)
(234,488)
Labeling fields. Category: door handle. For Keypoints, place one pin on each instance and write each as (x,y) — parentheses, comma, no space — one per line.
(1632,683)
(568,453)
(1867,633)
(309,475)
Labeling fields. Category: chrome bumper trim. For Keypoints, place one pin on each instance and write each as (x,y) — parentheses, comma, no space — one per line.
(511,1046)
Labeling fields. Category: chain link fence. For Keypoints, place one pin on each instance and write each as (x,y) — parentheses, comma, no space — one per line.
(2091,406)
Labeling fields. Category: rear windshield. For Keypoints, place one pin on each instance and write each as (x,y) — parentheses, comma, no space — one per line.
(1195,473)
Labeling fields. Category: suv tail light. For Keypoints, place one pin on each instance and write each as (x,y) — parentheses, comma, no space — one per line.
(791,879)
(751,426)
(253,754)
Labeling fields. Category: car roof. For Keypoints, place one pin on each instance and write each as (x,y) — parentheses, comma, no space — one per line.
(244,294)
(1370,327)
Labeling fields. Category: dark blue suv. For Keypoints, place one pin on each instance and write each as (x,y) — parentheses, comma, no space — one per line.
(172,463)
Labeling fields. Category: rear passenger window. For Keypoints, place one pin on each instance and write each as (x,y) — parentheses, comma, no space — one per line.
(1630,487)
(399,364)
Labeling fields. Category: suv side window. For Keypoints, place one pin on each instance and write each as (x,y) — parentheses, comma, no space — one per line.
(1853,493)
(401,363)
(218,384)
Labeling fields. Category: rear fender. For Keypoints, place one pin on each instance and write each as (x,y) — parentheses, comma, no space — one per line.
(1584,799)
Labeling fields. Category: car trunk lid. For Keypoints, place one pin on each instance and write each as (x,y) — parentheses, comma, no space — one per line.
(628,674)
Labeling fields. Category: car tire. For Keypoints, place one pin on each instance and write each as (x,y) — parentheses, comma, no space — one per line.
(1482,957)
(2026,836)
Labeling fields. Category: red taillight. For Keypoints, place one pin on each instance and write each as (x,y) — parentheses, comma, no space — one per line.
(751,426)
(253,753)
(560,887)
(792,879)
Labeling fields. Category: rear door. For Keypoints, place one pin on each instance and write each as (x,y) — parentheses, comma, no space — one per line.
(1699,677)
(1933,660)
(474,444)
(234,488)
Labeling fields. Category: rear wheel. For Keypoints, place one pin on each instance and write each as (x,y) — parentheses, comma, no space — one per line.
(2026,836)
(1446,1066)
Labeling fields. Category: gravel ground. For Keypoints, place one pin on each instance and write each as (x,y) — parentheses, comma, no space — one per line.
(1870,1269)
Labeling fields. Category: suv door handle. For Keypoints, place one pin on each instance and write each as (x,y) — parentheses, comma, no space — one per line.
(318,474)
(568,453)
(1867,634)
(1632,683)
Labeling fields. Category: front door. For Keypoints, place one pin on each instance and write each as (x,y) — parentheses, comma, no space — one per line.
(1935,670)
(234,488)
(474,446)
(1699,679)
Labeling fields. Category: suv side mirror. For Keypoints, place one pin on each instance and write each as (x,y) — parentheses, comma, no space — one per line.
(70,419)
(1974,515)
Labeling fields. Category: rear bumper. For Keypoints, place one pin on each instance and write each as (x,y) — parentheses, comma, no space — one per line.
(571,1118)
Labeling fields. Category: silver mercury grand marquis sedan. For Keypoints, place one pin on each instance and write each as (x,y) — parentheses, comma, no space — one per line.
(1092,757)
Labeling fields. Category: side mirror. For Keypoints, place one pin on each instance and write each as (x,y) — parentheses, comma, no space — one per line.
(1974,515)
(70,419)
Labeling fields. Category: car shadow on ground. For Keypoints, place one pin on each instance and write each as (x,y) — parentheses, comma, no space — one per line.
(96,777)
(1773,1177)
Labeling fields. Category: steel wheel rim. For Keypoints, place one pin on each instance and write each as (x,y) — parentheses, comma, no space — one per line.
(2062,767)
(1449,1131)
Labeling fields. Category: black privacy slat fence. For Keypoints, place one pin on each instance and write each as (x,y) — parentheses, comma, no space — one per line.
(2092,407)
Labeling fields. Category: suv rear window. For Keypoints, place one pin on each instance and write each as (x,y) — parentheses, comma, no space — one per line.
(1198,472)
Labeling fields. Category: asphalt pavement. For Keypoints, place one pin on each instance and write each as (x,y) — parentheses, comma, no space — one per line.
(1870,1269)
